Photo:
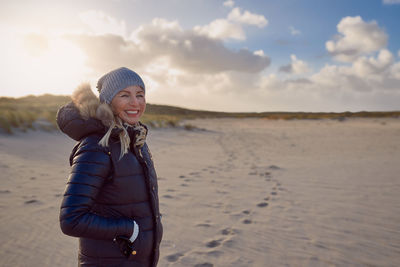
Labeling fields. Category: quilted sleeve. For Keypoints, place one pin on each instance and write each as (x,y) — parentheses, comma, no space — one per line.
(89,170)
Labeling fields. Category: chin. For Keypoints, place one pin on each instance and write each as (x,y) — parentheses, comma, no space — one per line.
(132,121)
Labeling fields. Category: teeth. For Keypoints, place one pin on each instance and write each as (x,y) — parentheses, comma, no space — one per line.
(132,112)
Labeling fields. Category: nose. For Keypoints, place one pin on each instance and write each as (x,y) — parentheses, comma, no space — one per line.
(133,101)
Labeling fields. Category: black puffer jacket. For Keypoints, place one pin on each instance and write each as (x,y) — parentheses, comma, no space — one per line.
(104,195)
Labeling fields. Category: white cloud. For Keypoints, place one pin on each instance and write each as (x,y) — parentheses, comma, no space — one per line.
(294,31)
(296,66)
(231,27)
(391,2)
(395,71)
(229,3)
(365,67)
(221,29)
(247,18)
(365,74)
(356,38)
(101,23)
(259,53)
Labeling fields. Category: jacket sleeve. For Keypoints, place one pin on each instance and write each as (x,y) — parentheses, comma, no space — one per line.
(90,168)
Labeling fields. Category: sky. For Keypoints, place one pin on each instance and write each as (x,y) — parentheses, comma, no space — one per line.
(236,56)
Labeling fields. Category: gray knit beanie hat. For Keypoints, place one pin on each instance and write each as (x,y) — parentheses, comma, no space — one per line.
(111,83)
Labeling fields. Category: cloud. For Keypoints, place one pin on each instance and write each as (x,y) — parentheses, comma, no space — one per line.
(365,67)
(184,50)
(365,74)
(221,29)
(232,26)
(294,31)
(295,67)
(101,23)
(356,37)
(391,2)
(229,3)
(247,18)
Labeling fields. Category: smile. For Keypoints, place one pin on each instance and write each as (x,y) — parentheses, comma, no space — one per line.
(132,112)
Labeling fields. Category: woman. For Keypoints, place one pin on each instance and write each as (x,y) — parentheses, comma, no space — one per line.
(111,200)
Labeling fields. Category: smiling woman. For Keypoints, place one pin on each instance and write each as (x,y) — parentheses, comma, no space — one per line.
(111,198)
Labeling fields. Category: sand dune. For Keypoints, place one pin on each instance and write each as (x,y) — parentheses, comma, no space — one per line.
(241,192)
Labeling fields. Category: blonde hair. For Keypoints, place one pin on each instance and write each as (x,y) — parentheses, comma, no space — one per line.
(106,115)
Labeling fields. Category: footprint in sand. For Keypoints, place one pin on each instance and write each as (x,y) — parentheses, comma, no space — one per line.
(262,204)
(181,176)
(174,257)
(168,196)
(246,212)
(274,167)
(265,174)
(5,191)
(229,231)
(203,225)
(32,201)
(171,190)
(184,185)
(274,193)
(213,243)
(247,221)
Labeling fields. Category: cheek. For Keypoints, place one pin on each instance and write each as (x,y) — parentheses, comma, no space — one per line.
(143,105)
(117,106)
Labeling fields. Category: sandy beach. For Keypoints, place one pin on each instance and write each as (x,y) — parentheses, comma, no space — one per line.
(235,192)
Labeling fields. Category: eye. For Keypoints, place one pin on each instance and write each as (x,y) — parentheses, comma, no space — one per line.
(124,95)
(140,95)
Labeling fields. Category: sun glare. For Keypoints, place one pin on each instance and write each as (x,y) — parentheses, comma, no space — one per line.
(41,64)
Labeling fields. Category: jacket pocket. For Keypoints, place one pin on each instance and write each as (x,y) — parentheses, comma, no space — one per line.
(143,245)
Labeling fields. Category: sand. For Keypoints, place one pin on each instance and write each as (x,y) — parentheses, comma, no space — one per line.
(240,192)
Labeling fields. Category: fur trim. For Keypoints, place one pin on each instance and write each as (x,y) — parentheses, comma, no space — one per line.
(89,105)
(85,100)
(105,114)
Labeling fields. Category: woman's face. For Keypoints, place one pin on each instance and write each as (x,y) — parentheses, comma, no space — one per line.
(129,104)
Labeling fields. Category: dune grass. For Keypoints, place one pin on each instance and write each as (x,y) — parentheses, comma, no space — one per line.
(25,112)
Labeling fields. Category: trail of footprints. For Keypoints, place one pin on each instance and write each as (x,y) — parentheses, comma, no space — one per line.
(192,177)
(210,249)
(225,237)
(267,175)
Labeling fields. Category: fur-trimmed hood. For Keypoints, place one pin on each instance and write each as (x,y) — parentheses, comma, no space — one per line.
(85,115)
